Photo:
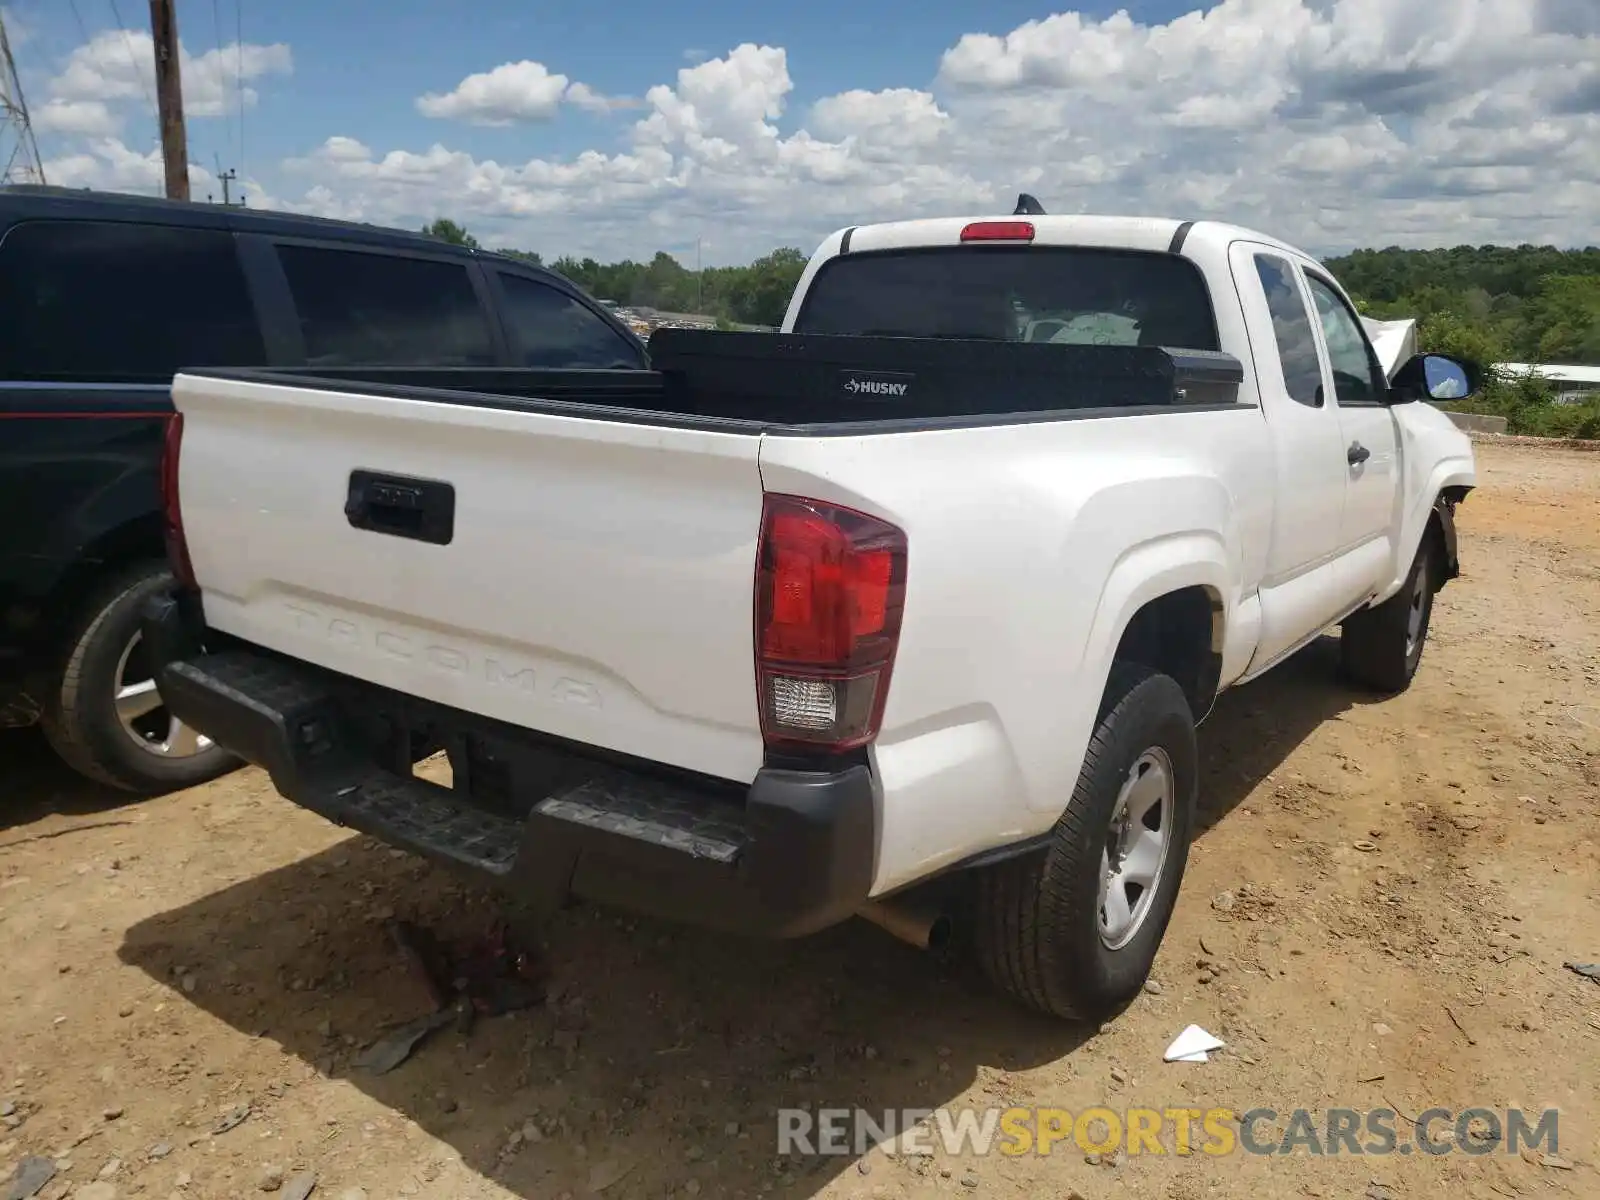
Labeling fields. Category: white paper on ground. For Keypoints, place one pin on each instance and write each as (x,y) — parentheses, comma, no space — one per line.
(1192,1045)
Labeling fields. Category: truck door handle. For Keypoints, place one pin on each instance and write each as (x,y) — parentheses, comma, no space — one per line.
(423,510)
(1357,454)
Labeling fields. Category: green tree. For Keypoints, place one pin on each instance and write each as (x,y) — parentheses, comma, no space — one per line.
(760,295)
(447,230)
(1460,337)
(1564,315)
(1539,303)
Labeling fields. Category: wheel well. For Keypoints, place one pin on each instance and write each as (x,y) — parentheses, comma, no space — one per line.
(1180,634)
(139,540)
(1434,533)
(1440,529)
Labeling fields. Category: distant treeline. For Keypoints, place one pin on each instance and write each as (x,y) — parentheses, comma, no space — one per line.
(1524,303)
(757,294)
(1495,304)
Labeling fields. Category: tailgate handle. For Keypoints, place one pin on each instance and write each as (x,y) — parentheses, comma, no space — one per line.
(423,510)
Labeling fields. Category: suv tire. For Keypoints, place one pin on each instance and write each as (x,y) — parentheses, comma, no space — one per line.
(102,714)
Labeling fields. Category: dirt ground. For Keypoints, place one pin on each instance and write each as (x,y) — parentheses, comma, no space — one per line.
(1389,891)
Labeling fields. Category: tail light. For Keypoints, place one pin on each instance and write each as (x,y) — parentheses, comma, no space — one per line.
(830,587)
(171,509)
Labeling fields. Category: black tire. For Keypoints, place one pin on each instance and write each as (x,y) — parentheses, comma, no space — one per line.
(1037,920)
(1377,647)
(80,710)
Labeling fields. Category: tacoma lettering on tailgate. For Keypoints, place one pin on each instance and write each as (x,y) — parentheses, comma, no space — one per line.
(371,638)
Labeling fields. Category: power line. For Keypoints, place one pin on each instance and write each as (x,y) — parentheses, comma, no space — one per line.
(216,27)
(238,74)
(83,28)
(133,60)
(78,17)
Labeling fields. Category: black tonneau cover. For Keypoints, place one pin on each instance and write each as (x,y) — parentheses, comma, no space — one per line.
(817,383)
(829,377)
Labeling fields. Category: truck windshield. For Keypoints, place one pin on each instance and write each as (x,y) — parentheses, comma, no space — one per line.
(1072,294)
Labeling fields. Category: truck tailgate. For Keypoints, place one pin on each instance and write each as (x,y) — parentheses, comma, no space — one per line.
(594,580)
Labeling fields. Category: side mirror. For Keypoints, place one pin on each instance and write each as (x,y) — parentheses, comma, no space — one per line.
(1433,377)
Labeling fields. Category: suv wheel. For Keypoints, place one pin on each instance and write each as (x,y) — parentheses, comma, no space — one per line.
(104,716)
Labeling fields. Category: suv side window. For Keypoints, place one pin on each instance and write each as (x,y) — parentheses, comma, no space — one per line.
(1357,376)
(359,308)
(121,302)
(1291,326)
(548,328)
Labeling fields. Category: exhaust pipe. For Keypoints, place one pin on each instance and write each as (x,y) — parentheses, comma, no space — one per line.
(924,926)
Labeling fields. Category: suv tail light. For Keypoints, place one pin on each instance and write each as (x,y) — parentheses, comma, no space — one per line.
(830,587)
(171,509)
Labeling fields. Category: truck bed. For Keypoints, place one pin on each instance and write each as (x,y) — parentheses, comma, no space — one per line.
(819,383)
(574,552)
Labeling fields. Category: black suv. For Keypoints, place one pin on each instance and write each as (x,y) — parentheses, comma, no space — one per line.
(103,298)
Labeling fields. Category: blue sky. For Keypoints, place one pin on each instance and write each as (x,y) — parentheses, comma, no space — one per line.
(407,47)
(1335,122)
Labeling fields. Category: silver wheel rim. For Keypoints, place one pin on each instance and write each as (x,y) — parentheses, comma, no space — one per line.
(1137,842)
(1414,615)
(142,715)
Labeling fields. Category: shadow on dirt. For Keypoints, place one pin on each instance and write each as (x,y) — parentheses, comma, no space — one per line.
(1254,728)
(34,783)
(665,1051)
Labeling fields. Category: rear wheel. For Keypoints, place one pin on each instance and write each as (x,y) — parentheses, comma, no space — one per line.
(104,715)
(1074,931)
(1382,647)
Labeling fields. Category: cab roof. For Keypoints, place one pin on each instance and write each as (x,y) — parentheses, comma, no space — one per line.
(1161,234)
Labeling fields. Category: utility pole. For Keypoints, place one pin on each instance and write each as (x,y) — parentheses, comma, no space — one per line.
(227,177)
(169,98)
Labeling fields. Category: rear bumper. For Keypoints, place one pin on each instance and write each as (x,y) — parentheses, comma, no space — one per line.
(790,854)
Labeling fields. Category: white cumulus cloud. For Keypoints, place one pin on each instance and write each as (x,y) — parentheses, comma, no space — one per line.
(706,145)
(511,93)
(76,118)
(109,164)
(117,67)
(1330,122)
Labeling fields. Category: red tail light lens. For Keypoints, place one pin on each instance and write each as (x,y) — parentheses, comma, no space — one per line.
(998,231)
(171,509)
(830,587)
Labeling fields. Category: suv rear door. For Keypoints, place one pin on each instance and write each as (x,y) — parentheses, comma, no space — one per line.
(96,316)
(122,302)
(347,304)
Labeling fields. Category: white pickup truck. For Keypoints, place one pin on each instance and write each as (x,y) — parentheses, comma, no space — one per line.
(908,611)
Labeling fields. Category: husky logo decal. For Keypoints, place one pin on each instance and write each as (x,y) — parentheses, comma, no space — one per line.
(862,384)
